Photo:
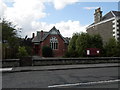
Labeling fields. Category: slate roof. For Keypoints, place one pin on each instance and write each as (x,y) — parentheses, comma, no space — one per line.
(38,38)
(117,13)
(109,15)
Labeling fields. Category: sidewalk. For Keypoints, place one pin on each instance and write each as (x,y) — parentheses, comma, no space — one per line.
(60,67)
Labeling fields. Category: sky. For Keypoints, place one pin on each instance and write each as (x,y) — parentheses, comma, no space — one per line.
(68,16)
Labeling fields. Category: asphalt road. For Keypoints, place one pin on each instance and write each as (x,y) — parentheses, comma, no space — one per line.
(75,78)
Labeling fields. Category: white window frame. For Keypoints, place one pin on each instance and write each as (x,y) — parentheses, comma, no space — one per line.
(88,52)
(54,43)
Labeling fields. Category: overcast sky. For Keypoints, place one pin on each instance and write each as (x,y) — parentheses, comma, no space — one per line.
(69,16)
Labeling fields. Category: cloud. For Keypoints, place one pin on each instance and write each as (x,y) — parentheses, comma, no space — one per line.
(27,14)
(33,8)
(99,0)
(89,8)
(24,12)
(66,28)
(60,4)
(3,8)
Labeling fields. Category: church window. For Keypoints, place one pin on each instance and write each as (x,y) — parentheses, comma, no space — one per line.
(54,43)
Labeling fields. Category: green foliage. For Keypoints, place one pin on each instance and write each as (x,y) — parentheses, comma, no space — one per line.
(80,42)
(72,46)
(10,40)
(96,41)
(83,42)
(47,51)
(29,50)
(22,52)
(118,49)
(0,32)
(87,41)
(9,33)
(112,48)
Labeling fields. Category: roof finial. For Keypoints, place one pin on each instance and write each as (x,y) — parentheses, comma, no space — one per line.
(54,27)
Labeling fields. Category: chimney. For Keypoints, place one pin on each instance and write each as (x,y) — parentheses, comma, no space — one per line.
(33,35)
(97,15)
(41,34)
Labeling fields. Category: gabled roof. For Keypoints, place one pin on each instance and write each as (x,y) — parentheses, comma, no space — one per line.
(109,15)
(38,38)
(116,13)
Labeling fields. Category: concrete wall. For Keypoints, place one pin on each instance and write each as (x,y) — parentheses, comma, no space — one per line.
(104,29)
(10,63)
(62,61)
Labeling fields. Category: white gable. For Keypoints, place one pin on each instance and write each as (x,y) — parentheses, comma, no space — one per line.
(53,32)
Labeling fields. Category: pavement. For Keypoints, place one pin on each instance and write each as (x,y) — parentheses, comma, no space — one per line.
(56,67)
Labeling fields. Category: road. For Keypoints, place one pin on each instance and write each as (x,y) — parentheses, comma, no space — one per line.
(77,78)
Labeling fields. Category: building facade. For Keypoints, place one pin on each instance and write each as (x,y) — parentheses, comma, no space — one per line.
(53,39)
(108,26)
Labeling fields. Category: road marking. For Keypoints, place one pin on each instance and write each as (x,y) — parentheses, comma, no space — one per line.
(5,69)
(87,83)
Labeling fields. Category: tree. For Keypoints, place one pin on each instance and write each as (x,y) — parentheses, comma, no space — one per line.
(72,46)
(10,39)
(112,48)
(27,43)
(118,49)
(80,42)
(9,33)
(96,41)
(47,51)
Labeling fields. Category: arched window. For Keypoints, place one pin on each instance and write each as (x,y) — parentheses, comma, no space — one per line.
(53,43)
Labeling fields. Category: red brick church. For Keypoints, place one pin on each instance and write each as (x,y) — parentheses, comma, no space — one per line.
(53,39)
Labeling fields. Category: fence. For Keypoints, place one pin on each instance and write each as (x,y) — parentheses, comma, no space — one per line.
(58,61)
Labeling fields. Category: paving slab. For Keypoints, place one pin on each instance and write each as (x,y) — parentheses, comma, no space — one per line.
(61,67)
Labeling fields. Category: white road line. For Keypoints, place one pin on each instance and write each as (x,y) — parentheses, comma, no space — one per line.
(5,69)
(87,83)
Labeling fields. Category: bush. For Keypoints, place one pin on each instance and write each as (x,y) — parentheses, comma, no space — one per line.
(22,52)
(79,43)
(47,51)
(112,48)
(71,54)
(29,50)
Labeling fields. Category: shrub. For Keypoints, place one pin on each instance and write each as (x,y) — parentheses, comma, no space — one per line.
(112,48)
(80,42)
(47,51)
(22,52)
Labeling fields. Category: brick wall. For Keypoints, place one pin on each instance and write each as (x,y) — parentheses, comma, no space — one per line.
(61,46)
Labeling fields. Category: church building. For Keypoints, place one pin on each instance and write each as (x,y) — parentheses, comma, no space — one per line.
(53,39)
